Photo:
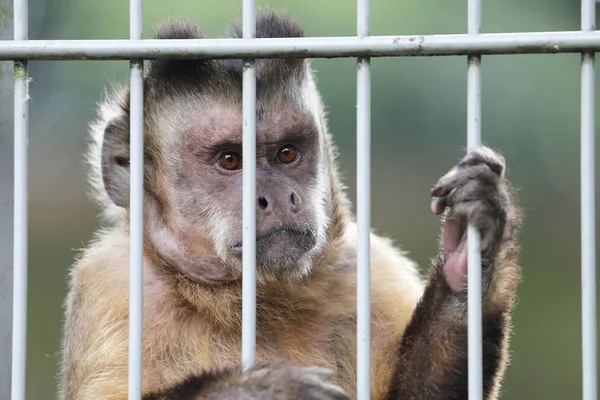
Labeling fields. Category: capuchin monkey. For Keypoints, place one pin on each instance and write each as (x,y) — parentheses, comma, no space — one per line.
(306,251)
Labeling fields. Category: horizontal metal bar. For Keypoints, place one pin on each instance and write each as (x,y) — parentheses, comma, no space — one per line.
(315,47)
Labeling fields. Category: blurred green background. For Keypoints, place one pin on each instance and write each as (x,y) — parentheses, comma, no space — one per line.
(530,112)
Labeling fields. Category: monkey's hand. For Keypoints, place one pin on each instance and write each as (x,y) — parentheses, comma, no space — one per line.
(433,355)
(474,192)
(264,382)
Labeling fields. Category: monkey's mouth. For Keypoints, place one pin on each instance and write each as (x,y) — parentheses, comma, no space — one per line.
(278,244)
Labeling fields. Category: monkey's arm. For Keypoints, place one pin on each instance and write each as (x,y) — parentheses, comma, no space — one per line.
(433,357)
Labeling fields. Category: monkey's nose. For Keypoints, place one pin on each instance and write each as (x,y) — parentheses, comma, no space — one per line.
(289,201)
(294,200)
(263,203)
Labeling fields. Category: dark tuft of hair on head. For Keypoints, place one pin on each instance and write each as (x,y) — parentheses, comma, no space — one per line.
(178,76)
(173,72)
(271,24)
(178,28)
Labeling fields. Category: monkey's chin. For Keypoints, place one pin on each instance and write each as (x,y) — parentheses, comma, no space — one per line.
(282,248)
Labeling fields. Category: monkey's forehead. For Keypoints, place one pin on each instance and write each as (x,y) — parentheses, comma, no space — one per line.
(222,122)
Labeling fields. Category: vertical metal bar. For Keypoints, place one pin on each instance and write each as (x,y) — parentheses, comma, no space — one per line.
(7,185)
(249,194)
(474,245)
(7,165)
(136,204)
(20,261)
(588,217)
(363,140)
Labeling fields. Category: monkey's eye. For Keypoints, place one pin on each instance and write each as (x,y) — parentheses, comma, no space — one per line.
(287,154)
(230,161)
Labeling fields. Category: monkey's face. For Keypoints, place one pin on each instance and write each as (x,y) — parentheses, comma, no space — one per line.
(291,186)
(194,165)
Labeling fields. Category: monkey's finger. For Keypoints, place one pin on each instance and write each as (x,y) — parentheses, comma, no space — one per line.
(438,205)
(318,372)
(329,391)
(473,190)
(486,214)
(320,385)
(458,178)
(485,155)
(446,183)
(454,178)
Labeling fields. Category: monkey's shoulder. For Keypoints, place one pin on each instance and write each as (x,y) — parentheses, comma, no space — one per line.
(103,263)
(396,285)
(391,269)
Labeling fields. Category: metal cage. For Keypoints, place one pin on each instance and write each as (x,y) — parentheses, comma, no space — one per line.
(472,45)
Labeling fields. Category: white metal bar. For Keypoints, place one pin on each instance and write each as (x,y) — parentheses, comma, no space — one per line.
(588,217)
(315,47)
(21,220)
(249,193)
(136,204)
(7,167)
(363,208)
(474,245)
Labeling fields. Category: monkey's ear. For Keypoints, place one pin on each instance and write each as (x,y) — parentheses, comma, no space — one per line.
(115,160)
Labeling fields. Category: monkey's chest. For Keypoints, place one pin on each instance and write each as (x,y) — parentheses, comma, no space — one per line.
(308,343)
